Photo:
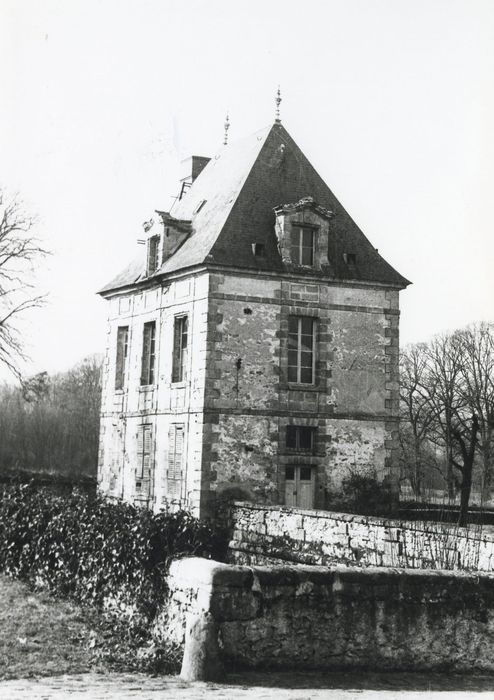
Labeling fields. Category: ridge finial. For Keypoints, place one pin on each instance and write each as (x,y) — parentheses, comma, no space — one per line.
(278,100)
(227,126)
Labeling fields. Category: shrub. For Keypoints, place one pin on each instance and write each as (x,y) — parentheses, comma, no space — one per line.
(364,494)
(108,554)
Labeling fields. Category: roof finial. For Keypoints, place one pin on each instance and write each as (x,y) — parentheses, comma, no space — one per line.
(227,126)
(278,100)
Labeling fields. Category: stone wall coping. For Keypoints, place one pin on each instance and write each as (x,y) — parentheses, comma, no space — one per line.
(195,571)
(425,525)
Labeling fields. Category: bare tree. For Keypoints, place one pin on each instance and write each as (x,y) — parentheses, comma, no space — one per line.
(19,252)
(477,345)
(448,401)
(416,416)
(442,383)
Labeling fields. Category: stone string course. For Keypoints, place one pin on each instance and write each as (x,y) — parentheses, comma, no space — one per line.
(274,535)
(307,617)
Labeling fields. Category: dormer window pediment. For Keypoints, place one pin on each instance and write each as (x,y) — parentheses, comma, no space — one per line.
(304,204)
(302,230)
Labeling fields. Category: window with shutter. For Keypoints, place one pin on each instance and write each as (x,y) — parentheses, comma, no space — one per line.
(175,456)
(144,458)
(122,345)
(148,353)
(180,339)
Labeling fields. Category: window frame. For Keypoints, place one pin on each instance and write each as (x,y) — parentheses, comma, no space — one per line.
(180,350)
(153,254)
(299,230)
(297,431)
(121,357)
(148,358)
(175,461)
(299,349)
(144,439)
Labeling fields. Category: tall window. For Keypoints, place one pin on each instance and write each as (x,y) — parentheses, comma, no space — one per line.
(175,457)
(122,345)
(148,353)
(179,349)
(153,254)
(144,453)
(303,240)
(301,346)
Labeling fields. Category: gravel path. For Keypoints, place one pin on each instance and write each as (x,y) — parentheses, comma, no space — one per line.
(252,686)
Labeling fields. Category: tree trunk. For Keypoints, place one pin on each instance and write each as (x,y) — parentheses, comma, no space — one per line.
(468,454)
(466,488)
(418,470)
(487,464)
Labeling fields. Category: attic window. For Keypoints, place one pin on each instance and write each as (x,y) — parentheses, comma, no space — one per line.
(350,258)
(200,206)
(153,254)
(259,250)
(303,246)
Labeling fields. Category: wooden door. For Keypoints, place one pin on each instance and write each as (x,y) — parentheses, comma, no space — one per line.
(299,487)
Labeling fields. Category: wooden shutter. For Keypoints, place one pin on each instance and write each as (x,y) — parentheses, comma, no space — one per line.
(145,356)
(144,459)
(122,342)
(179,348)
(176,371)
(148,353)
(152,258)
(175,456)
(147,452)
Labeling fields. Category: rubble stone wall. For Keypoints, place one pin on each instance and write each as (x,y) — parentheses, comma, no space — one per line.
(352,406)
(267,534)
(319,618)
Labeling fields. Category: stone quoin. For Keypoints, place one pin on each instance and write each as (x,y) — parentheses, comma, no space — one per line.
(252,348)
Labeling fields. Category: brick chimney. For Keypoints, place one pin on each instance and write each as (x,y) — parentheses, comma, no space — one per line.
(190,169)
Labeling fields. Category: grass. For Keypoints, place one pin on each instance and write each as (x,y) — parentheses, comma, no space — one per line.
(41,635)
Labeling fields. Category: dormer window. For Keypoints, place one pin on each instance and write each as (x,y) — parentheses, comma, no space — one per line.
(175,232)
(350,258)
(302,230)
(303,245)
(153,254)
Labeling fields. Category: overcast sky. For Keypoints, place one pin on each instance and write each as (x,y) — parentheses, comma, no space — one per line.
(391,100)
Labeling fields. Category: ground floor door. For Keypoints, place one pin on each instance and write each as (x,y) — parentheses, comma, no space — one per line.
(299,486)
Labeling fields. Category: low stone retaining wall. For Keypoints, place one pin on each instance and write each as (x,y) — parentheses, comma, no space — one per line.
(309,617)
(272,534)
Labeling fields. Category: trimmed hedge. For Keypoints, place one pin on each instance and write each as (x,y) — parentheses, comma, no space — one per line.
(108,554)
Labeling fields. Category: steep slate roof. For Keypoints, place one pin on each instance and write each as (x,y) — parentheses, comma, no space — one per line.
(241,186)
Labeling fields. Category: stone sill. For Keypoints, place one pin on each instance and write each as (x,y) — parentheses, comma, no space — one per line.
(302,387)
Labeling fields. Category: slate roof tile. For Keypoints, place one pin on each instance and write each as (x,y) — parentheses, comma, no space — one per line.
(231,206)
